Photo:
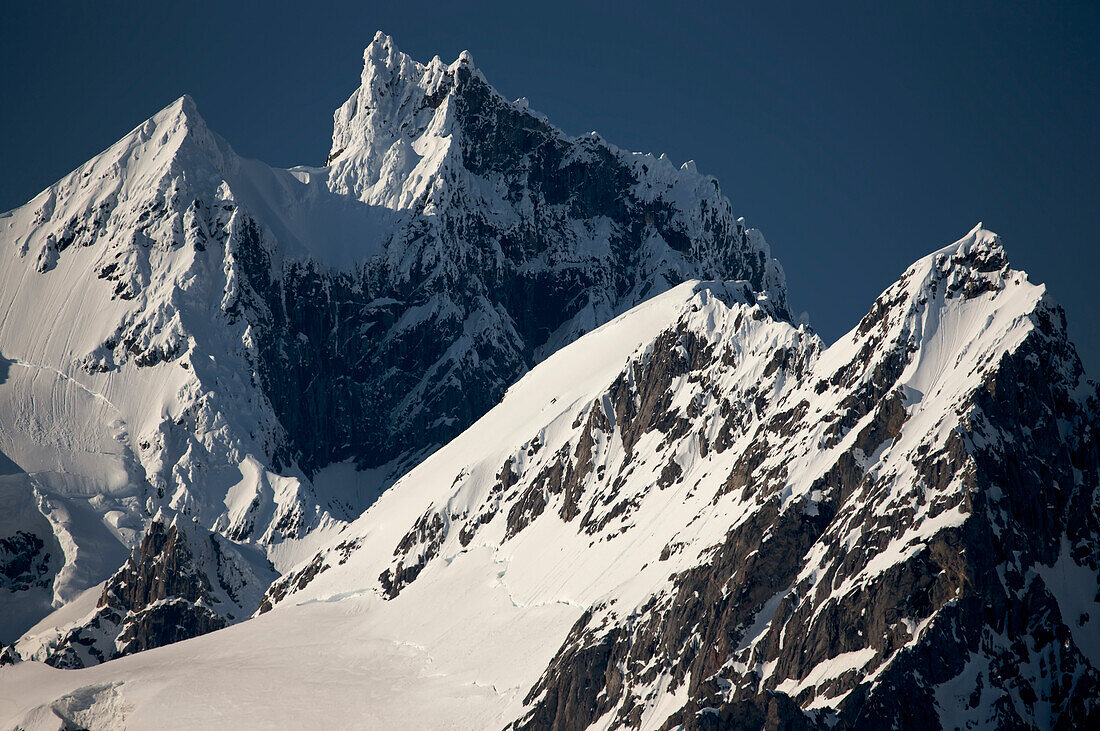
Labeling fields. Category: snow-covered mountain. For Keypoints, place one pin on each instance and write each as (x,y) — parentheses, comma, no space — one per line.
(699,516)
(256,353)
(748,525)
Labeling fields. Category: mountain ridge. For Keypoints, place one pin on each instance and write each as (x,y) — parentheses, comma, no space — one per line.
(699,515)
(265,351)
(591,676)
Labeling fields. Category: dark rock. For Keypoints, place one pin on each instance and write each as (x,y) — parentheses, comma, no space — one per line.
(180,582)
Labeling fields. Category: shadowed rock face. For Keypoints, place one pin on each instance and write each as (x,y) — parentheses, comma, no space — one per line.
(24,561)
(526,240)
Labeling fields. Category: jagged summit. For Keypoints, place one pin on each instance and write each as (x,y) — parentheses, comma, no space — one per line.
(390,95)
(394,138)
(978,240)
(385,70)
(433,138)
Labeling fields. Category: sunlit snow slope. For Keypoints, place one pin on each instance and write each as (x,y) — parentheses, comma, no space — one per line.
(697,516)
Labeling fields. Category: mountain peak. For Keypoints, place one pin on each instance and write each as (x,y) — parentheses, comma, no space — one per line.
(978,236)
(182,114)
(397,97)
(185,105)
(179,129)
(464,59)
(381,40)
(979,250)
(383,54)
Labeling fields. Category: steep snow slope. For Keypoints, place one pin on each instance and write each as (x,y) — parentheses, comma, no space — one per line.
(124,389)
(736,488)
(696,514)
(265,350)
(382,649)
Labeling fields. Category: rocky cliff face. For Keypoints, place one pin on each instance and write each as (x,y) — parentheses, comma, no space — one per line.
(182,581)
(902,529)
(31,557)
(920,581)
(24,561)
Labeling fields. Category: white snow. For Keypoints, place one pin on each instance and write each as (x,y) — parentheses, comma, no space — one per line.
(834,667)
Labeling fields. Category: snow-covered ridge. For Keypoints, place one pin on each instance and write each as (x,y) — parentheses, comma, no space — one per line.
(697,510)
(626,504)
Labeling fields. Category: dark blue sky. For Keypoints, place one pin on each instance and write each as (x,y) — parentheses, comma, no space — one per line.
(858,139)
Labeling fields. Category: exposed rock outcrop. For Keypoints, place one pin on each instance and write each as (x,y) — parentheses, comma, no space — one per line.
(181,582)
